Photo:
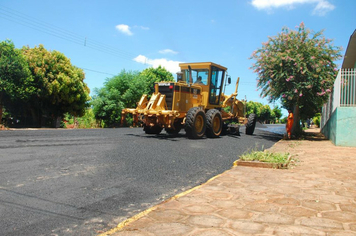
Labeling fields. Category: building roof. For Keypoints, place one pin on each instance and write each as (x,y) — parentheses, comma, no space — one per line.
(350,54)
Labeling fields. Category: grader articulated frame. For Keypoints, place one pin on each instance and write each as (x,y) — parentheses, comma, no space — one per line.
(197,106)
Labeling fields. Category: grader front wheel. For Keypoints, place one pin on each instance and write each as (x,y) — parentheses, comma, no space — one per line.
(251,123)
(195,124)
(152,129)
(177,126)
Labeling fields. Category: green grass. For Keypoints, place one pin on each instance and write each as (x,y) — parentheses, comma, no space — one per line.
(278,158)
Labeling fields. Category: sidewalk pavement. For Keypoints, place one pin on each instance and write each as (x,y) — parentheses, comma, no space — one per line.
(315,197)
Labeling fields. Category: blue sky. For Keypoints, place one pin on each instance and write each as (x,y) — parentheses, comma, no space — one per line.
(108,36)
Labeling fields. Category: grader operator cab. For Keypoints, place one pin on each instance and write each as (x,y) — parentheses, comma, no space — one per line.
(195,102)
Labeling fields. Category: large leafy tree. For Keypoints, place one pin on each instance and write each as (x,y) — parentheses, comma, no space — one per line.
(297,67)
(15,80)
(124,91)
(153,75)
(60,86)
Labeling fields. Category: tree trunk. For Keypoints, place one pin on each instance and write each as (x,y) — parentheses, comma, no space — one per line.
(296,129)
(35,121)
(1,107)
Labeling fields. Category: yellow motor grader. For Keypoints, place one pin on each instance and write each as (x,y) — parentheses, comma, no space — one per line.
(195,102)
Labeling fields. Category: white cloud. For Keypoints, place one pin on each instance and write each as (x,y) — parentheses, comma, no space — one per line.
(321,8)
(171,66)
(144,28)
(168,51)
(125,29)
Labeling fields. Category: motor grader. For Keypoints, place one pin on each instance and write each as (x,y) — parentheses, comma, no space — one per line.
(195,102)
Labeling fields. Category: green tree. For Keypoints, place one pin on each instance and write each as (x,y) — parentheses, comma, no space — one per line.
(60,86)
(120,91)
(266,114)
(15,80)
(253,107)
(297,67)
(153,75)
(157,75)
(277,112)
(124,91)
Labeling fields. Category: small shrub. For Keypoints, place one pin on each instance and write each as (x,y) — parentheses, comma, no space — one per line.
(316,120)
(265,157)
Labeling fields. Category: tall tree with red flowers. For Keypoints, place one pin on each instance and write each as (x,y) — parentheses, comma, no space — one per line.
(298,68)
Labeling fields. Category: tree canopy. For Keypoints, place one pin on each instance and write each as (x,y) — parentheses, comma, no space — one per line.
(59,85)
(15,79)
(124,91)
(297,67)
(40,84)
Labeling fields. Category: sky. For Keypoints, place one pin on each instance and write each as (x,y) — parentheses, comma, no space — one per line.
(105,37)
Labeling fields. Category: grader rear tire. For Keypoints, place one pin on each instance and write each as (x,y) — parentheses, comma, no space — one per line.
(195,123)
(213,123)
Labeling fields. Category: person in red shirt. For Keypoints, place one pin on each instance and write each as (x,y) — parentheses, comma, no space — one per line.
(290,120)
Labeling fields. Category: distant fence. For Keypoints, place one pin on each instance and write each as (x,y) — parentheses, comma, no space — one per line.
(343,95)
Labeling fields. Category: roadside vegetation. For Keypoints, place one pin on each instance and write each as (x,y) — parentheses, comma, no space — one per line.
(41,88)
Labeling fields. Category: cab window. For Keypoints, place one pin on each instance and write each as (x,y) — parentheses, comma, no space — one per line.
(199,76)
(217,76)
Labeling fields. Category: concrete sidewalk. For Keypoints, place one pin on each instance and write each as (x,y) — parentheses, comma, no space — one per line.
(315,197)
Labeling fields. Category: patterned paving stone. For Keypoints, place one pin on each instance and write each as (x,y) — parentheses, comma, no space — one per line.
(169,229)
(348,207)
(321,223)
(262,207)
(199,209)
(206,221)
(287,230)
(319,205)
(340,216)
(274,218)
(247,227)
(226,204)
(235,214)
(285,201)
(167,215)
(341,233)
(211,232)
(298,211)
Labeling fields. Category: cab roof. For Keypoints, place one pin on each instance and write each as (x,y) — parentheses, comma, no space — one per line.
(200,65)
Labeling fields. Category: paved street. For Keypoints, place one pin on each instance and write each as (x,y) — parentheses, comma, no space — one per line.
(80,182)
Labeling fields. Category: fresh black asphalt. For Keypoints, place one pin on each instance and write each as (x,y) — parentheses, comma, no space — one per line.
(83,182)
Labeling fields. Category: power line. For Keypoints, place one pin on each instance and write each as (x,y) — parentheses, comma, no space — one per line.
(28,21)
(96,71)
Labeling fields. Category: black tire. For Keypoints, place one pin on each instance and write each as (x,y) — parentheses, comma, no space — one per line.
(152,129)
(174,130)
(251,124)
(213,123)
(195,123)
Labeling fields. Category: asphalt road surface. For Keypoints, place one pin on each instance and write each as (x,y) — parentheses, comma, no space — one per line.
(81,182)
